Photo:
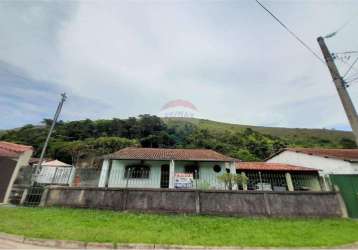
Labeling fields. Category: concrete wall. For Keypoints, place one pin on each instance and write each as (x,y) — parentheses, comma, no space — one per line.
(327,165)
(238,203)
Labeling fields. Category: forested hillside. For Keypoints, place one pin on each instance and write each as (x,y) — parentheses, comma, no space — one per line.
(79,139)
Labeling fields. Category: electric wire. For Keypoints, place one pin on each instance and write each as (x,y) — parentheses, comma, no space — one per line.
(292,33)
(350,68)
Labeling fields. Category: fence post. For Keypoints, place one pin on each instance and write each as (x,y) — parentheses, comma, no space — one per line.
(69,179)
(197,201)
(289,182)
(244,184)
(267,205)
(171,174)
(44,197)
(54,176)
(262,185)
(196,178)
(108,174)
(128,176)
(23,196)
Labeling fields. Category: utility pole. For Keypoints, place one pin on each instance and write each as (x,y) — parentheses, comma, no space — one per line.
(58,111)
(341,88)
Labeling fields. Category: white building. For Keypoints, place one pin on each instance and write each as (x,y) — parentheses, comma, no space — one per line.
(327,161)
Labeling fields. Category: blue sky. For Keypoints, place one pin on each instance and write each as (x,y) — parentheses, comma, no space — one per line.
(125,58)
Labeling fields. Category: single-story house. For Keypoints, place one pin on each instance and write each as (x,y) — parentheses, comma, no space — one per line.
(12,158)
(165,168)
(55,172)
(200,168)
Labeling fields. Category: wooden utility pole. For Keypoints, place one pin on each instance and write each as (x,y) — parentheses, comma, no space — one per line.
(341,88)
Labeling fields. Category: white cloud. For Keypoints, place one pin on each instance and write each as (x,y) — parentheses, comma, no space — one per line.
(228,58)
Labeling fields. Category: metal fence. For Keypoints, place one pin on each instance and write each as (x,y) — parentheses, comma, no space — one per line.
(53,175)
(266,181)
(33,196)
(86,177)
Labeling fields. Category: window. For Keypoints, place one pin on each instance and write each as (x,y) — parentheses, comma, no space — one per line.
(217,168)
(137,172)
(193,169)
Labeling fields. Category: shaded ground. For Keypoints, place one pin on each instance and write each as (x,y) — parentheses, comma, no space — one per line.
(118,227)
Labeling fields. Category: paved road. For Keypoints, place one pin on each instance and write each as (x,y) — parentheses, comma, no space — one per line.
(7,244)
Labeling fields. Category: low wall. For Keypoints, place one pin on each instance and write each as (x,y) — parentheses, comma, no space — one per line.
(240,203)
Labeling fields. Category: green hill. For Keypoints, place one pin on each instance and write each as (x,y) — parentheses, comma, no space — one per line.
(304,137)
(78,139)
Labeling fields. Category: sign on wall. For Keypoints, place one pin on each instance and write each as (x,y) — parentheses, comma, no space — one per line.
(183,180)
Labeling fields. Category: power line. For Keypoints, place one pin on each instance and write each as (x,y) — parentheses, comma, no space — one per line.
(350,68)
(345,52)
(343,61)
(292,33)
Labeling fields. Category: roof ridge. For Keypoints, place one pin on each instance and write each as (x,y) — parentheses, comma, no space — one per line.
(340,149)
(207,149)
(196,154)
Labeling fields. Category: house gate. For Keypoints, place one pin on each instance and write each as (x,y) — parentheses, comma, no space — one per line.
(348,186)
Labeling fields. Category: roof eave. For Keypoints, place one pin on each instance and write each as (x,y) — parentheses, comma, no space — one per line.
(149,159)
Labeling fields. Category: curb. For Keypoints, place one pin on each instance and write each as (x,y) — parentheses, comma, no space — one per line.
(71,244)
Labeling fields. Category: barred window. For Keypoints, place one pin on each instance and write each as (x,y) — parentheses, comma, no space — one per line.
(137,172)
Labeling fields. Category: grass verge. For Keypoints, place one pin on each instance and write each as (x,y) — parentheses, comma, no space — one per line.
(119,227)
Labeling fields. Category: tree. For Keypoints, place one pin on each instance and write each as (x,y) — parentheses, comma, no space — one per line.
(244,155)
(230,180)
(347,143)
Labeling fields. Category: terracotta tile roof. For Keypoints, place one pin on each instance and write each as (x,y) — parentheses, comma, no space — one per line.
(344,154)
(169,154)
(9,149)
(265,166)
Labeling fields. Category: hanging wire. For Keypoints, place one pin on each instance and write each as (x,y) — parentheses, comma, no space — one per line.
(345,52)
(292,33)
(345,62)
(350,68)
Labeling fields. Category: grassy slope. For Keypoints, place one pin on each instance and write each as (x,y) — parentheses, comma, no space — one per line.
(291,134)
(109,226)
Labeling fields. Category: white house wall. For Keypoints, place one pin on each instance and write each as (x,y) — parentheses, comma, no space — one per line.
(327,165)
(207,176)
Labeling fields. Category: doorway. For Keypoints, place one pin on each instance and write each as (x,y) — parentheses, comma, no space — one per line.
(164,176)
